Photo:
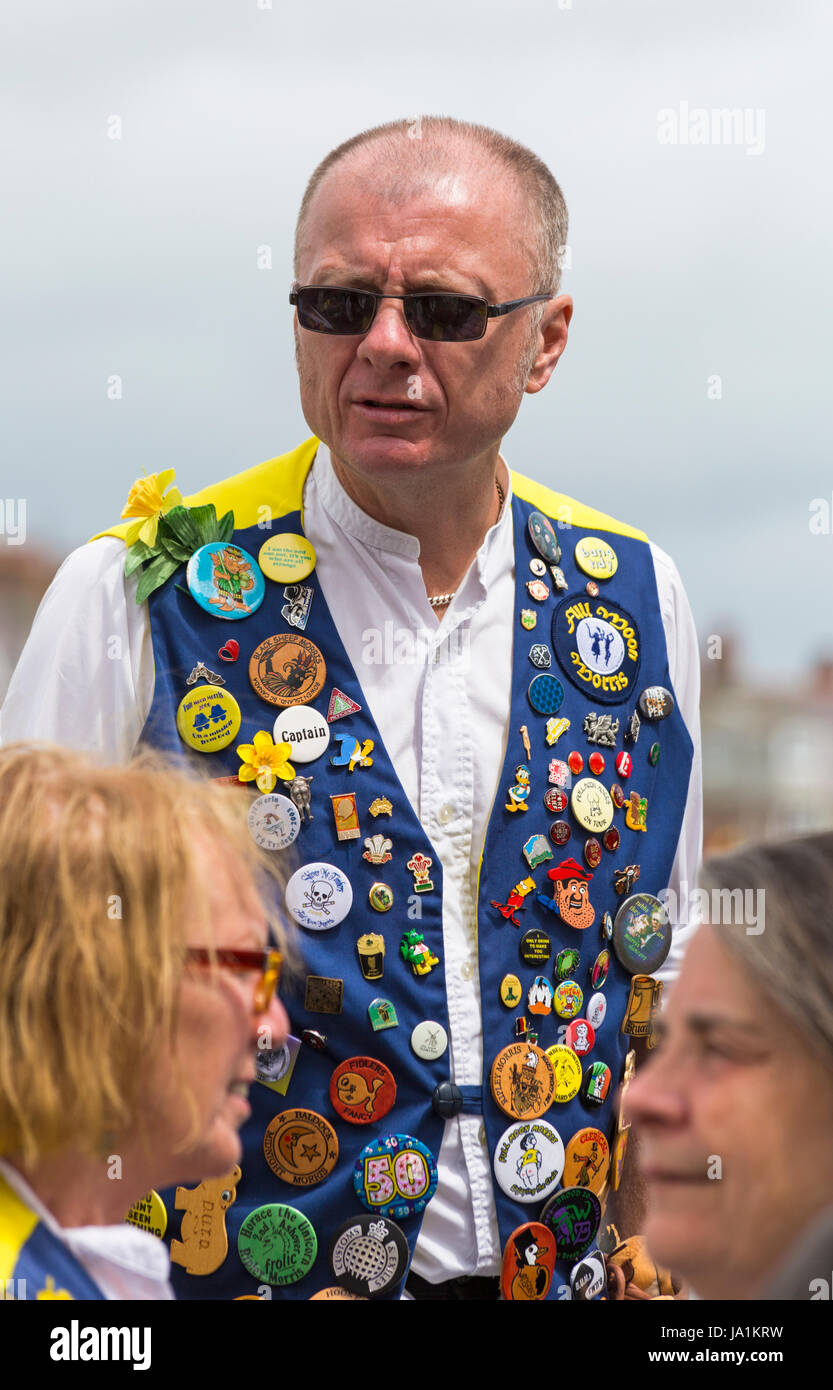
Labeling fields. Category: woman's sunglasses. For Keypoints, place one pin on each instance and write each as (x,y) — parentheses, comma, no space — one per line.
(268,963)
(441,318)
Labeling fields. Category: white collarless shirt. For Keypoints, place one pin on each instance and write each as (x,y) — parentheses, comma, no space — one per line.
(451,679)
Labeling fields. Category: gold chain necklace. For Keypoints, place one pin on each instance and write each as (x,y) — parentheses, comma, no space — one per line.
(442,600)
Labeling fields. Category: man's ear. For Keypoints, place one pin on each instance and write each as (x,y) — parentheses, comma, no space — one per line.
(552,341)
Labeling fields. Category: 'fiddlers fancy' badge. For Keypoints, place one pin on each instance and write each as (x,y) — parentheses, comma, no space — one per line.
(523,1081)
(368,1256)
(570,898)
(597,645)
(529,1160)
(362,1089)
(300,1147)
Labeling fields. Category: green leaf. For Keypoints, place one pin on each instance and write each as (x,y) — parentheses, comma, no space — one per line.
(179,522)
(225,527)
(205,521)
(155,575)
(173,547)
(134,558)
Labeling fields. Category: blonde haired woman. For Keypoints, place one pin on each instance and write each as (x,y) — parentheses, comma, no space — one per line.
(136,979)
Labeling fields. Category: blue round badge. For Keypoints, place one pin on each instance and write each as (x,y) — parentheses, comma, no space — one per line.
(597,645)
(225,580)
(545,694)
(395,1175)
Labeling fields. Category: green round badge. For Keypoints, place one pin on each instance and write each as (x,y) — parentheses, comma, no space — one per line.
(277,1244)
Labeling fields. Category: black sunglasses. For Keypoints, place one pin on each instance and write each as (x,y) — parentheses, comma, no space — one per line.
(440,317)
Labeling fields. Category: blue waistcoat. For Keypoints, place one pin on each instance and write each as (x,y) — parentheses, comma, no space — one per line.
(34,1262)
(183,633)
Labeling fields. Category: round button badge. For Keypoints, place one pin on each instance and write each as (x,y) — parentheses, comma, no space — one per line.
(395,1176)
(545,694)
(573,1215)
(300,1147)
(591,805)
(656,702)
(369,1255)
(596,1083)
(523,1081)
(362,1090)
(380,897)
(580,1036)
(429,1040)
(318,896)
(528,1263)
(586,1159)
(273,821)
(588,1279)
(568,999)
(543,537)
(641,934)
(225,580)
(149,1215)
(208,718)
(287,558)
(596,1010)
(535,947)
(567,1068)
(529,1160)
(305,729)
(277,1244)
(287,670)
(596,558)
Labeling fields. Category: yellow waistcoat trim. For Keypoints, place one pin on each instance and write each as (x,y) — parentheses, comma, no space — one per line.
(275,487)
(562,508)
(17,1223)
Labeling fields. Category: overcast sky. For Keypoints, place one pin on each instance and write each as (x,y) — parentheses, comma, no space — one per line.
(690,261)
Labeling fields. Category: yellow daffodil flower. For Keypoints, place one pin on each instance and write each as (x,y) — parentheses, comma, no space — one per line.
(265,761)
(147,500)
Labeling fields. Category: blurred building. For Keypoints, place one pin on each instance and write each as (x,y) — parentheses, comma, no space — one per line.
(767,752)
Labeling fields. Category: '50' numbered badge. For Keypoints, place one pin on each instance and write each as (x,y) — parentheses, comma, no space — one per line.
(395,1176)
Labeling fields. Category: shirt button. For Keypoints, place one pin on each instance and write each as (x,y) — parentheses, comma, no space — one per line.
(481,1134)
(467,970)
(446,813)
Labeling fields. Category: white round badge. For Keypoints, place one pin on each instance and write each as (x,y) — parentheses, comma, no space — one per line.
(529,1160)
(318,896)
(600,646)
(307,731)
(429,1040)
(274,821)
(596,1010)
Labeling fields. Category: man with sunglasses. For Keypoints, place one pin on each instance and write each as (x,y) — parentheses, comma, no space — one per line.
(468,619)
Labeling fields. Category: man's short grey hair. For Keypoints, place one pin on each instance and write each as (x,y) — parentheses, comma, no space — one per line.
(791,961)
(433,144)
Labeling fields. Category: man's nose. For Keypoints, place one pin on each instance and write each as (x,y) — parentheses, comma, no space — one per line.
(389,338)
